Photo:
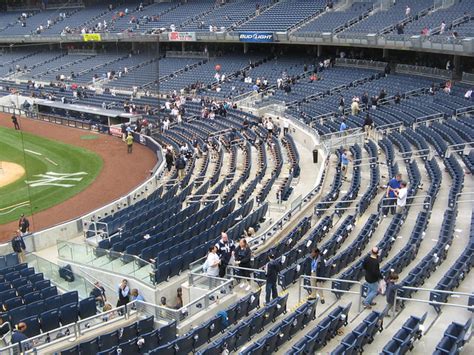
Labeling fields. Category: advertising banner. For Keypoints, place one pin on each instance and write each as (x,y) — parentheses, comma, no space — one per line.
(182,36)
(91,37)
(258,37)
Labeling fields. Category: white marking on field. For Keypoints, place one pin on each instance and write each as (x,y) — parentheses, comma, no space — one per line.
(458,230)
(52,162)
(13,208)
(32,152)
(56,179)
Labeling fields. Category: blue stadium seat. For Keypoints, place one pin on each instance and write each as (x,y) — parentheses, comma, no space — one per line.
(145,325)
(49,320)
(87,307)
(69,313)
(90,347)
(109,340)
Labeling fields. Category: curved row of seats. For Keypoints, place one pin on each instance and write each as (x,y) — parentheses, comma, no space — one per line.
(403,340)
(278,335)
(323,332)
(142,332)
(363,334)
(456,274)
(246,308)
(454,338)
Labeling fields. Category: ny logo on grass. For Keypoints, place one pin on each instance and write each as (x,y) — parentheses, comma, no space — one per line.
(56,179)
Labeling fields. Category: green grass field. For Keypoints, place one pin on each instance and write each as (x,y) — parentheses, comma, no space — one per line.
(50,158)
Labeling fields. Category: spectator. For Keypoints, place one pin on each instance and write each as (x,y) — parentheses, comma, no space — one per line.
(98,292)
(181,166)
(365,100)
(368,126)
(407,11)
(442,28)
(24,224)
(249,233)
(18,246)
(341,104)
(401,194)
(397,98)
(389,201)
(123,293)
(242,256)
(225,248)
(316,262)
(169,159)
(270,126)
(286,126)
(371,265)
(344,163)
(468,94)
(211,266)
(179,298)
(15,123)
(355,107)
(136,296)
(19,336)
(390,291)
(271,273)
(129,141)
(343,126)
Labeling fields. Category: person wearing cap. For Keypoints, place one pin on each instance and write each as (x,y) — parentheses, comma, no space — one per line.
(271,273)
(98,292)
(129,141)
(371,265)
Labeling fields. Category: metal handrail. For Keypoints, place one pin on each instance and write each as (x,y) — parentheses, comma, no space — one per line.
(302,286)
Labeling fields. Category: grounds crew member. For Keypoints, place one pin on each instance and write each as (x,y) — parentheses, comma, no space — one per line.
(129,141)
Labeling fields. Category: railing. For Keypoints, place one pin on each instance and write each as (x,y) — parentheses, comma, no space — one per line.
(51,272)
(187,54)
(360,63)
(425,71)
(461,46)
(86,255)
(468,78)
(304,282)
(210,289)
(398,299)
(17,111)
(343,139)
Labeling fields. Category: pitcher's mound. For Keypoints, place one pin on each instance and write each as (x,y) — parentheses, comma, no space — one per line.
(10,172)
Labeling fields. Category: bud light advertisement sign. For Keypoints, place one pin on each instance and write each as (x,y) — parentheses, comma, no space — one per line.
(258,37)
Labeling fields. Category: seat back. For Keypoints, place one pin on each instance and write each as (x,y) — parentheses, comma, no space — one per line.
(69,313)
(49,320)
(87,307)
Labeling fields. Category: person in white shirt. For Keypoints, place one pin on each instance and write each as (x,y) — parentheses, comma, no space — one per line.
(401,194)
(442,28)
(407,11)
(286,126)
(212,262)
(468,94)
